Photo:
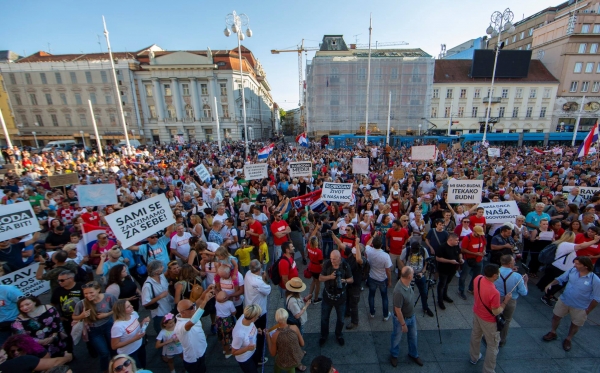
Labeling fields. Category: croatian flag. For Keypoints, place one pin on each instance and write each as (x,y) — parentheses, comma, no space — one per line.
(538,151)
(90,235)
(265,152)
(591,138)
(302,140)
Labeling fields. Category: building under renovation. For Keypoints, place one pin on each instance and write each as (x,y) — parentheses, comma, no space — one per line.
(336,88)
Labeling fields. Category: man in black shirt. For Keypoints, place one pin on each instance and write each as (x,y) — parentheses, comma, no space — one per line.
(30,363)
(336,274)
(57,238)
(65,297)
(11,252)
(448,259)
(261,198)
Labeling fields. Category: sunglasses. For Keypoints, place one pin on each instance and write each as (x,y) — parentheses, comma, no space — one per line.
(103,237)
(153,237)
(119,368)
(404,221)
(192,307)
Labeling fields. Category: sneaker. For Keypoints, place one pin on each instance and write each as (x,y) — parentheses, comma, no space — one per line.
(462,296)
(372,315)
(387,317)
(547,301)
(441,305)
(264,361)
(341,341)
(446,299)
(457,274)
(322,341)
(428,312)
(470,292)
(394,361)
(213,329)
(351,326)
(317,301)
(227,356)
(475,362)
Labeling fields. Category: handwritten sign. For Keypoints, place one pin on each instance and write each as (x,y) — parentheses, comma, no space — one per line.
(62,180)
(443,147)
(360,166)
(423,153)
(336,192)
(464,191)
(202,172)
(493,152)
(300,169)
(374,194)
(255,171)
(500,212)
(17,220)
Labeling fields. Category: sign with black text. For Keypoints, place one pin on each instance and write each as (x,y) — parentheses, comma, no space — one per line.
(300,169)
(500,212)
(464,191)
(137,222)
(24,279)
(255,171)
(17,220)
(584,192)
(493,152)
(202,172)
(336,192)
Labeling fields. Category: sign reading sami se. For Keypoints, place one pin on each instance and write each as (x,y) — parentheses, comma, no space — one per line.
(300,169)
(17,220)
(461,191)
(139,221)
(202,172)
(500,212)
(336,192)
(24,279)
(255,171)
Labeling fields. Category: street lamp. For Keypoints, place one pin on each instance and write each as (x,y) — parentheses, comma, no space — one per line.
(82,139)
(499,22)
(233,24)
(35,138)
(419,129)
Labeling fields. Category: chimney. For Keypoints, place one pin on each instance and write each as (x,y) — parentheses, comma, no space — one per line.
(352,46)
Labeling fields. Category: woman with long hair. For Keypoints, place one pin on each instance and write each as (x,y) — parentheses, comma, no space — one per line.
(188,277)
(23,344)
(575,227)
(286,344)
(315,266)
(122,286)
(127,334)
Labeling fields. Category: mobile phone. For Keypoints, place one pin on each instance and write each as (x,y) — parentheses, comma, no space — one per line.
(145,326)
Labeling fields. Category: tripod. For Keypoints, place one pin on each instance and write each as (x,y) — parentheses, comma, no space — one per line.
(430,282)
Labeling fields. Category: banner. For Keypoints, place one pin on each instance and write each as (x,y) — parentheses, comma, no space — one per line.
(423,153)
(493,152)
(464,191)
(17,220)
(336,192)
(64,179)
(585,192)
(202,172)
(97,195)
(360,166)
(300,169)
(500,212)
(24,279)
(255,171)
(136,222)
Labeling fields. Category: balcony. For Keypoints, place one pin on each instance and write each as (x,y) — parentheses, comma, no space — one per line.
(205,119)
(188,120)
(491,120)
(225,119)
(494,100)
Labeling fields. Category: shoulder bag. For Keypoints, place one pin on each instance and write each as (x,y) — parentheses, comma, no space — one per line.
(500,320)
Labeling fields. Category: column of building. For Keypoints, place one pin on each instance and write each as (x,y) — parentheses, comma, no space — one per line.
(176,98)
(195,99)
(158,99)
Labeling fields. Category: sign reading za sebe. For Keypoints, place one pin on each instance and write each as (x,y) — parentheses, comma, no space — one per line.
(17,220)
(300,169)
(137,222)
(464,191)
(336,192)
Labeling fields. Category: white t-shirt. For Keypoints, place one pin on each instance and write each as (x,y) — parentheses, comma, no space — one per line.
(225,309)
(220,218)
(562,249)
(193,341)
(126,331)
(229,287)
(379,260)
(181,244)
(242,336)
(171,349)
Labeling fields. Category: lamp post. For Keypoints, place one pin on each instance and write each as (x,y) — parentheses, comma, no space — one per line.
(499,22)
(234,23)
(35,138)
(82,139)
(419,129)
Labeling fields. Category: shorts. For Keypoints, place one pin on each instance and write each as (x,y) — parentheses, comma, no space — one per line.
(225,328)
(578,316)
(315,275)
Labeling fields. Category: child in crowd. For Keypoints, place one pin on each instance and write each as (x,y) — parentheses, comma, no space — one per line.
(226,259)
(167,339)
(225,321)
(263,251)
(243,255)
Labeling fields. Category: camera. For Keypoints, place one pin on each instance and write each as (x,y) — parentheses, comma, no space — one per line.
(338,279)
(327,234)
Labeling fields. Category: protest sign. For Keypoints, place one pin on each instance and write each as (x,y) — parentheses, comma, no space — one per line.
(336,192)
(374,195)
(24,279)
(456,146)
(493,152)
(398,174)
(97,195)
(423,153)
(360,166)
(202,172)
(586,193)
(464,191)
(442,147)
(255,171)
(17,220)
(500,212)
(136,222)
(62,180)
(300,169)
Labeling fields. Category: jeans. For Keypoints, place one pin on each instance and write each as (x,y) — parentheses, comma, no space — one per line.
(327,248)
(199,366)
(422,285)
(442,287)
(411,324)
(139,356)
(260,323)
(249,366)
(382,286)
(326,308)
(352,300)
(100,339)
(474,271)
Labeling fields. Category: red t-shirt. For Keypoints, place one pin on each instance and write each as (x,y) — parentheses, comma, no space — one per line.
(558,234)
(92,218)
(285,269)
(588,251)
(349,242)
(315,259)
(475,221)
(395,206)
(489,295)
(258,229)
(473,244)
(396,240)
(279,227)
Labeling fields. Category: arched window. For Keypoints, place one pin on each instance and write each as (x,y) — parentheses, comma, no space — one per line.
(207,111)
(189,111)
(171,112)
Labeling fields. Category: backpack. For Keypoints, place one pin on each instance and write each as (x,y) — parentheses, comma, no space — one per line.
(274,270)
(547,255)
(196,291)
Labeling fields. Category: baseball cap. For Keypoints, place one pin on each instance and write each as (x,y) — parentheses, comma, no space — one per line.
(479,230)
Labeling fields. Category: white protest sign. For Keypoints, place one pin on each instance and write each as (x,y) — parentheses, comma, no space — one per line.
(493,152)
(255,171)
(97,195)
(500,212)
(202,172)
(464,191)
(584,192)
(336,192)
(300,169)
(17,220)
(423,153)
(24,279)
(374,195)
(136,222)
(360,165)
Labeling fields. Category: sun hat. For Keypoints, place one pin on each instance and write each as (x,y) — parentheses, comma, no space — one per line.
(295,285)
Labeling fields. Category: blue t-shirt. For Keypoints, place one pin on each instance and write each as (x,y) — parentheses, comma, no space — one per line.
(128,254)
(159,251)
(108,266)
(9,294)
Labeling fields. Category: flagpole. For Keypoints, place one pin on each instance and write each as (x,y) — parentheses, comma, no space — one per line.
(387,139)
(368,84)
(577,123)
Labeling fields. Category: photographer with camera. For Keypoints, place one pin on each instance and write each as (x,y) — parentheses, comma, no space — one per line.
(54,267)
(417,257)
(354,258)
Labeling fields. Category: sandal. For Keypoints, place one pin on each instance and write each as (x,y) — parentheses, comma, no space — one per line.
(301,368)
(549,337)
(567,345)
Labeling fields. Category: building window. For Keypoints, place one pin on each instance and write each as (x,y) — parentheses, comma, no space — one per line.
(434,112)
(504,92)
(82,120)
(225,109)
(88,77)
(578,67)
(189,112)
(594,48)
(98,119)
(574,86)
(529,112)
(530,33)
(546,93)
(204,89)
(477,93)
(449,93)
(171,114)
(24,120)
(522,35)
(585,86)
(447,112)
(123,98)
(519,93)
(39,121)
(543,112)
(58,77)
(78,99)
(514,38)
(33,99)
(528,47)
(582,48)
(463,93)
(73,77)
(436,93)
(18,99)
(43,78)
(68,120)
(362,73)
(501,110)
(54,120)
(93,98)
(148,89)
(596,87)
(207,112)
(28,78)
(152,110)
(48,98)
(533,93)
(596,29)
(108,99)
(515,112)
(598,68)
(585,28)
(223,88)
(12,78)
(104,76)
(589,67)
(461,111)
(167,90)
(113,120)
(186,89)
(394,73)
(474,111)
(63,98)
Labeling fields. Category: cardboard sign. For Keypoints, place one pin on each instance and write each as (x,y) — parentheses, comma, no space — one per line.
(398,174)
(493,152)
(500,212)
(202,172)
(64,179)
(423,153)
(360,166)
(300,169)
(24,279)
(255,171)
(464,191)
(456,146)
(97,195)
(17,220)
(336,192)
(136,222)
(443,147)
(585,192)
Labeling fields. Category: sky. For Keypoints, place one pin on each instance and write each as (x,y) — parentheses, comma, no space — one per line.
(62,26)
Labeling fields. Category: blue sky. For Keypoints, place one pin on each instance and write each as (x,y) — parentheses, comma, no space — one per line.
(73,26)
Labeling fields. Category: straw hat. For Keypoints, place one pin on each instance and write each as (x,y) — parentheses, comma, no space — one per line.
(295,285)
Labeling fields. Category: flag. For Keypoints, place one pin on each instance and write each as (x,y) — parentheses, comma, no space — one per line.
(90,234)
(591,138)
(302,140)
(538,151)
(306,199)
(265,152)
(318,206)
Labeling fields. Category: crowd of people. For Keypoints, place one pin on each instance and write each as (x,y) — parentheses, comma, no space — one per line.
(237,241)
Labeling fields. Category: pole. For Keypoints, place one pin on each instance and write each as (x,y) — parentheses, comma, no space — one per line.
(387,139)
(8,142)
(82,139)
(239,32)
(577,122)
(116,82)
(368,84)
(98,143)
(218,125)
(35,139)
(489,108)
